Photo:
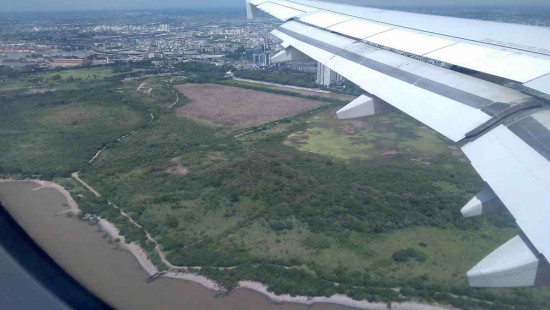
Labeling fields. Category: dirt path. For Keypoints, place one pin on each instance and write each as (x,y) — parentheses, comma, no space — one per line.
(140,86)
(147,234)
(97,154)
(175,102)
(75,176)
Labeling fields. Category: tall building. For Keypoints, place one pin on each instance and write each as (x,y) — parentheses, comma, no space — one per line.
(325,76)
(251,54)
(264,59)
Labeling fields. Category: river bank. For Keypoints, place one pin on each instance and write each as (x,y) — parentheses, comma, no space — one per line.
(170,283)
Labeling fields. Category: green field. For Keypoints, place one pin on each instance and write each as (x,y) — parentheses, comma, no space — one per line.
(9,85)
(300,204)
(84,73)
(58,79)
(377,137)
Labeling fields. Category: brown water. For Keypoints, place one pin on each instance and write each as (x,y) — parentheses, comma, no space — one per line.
(110,273)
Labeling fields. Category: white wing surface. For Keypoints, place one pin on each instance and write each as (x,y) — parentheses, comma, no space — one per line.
(484,85)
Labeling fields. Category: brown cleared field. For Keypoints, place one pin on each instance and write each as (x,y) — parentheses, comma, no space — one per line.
(239,107)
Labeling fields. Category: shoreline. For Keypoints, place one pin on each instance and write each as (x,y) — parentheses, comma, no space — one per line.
(147,265)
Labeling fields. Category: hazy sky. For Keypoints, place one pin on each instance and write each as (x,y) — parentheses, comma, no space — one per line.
(42,5)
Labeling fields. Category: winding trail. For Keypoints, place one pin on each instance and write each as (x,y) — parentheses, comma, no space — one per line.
(175,102)
(159,251)
(97,154)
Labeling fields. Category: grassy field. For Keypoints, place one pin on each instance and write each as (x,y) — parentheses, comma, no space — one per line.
(58,79)
(98,73)
(299,203)
(385,136)
(12,84)
(449,251)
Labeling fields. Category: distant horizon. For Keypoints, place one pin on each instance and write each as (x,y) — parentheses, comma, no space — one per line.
(54,6)
(235,8)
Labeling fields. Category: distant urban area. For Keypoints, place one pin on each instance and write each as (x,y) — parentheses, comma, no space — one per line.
(162,39)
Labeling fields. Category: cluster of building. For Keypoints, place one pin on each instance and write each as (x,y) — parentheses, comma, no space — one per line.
(326,77)
(259,56)
(164,39)
(161,39)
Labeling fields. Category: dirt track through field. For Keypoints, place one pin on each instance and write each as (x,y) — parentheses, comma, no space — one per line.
(239,107)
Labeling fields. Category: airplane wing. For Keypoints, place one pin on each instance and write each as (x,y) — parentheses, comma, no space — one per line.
(484,85)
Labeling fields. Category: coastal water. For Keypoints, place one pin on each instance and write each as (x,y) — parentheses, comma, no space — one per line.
(113,274)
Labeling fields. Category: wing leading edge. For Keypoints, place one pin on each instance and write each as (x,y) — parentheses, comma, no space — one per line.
(504,129)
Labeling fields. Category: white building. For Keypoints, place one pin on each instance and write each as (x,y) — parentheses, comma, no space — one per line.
(325,76)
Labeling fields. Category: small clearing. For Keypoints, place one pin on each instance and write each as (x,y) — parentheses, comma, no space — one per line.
(177,167)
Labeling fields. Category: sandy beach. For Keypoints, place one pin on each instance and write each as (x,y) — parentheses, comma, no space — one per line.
(146,264)
(133,248)
(336,299)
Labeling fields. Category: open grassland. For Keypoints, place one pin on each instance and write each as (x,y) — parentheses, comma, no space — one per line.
(238,107)
(304,221)
(385,136)
(13,84)
(59,79)
(98,73)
